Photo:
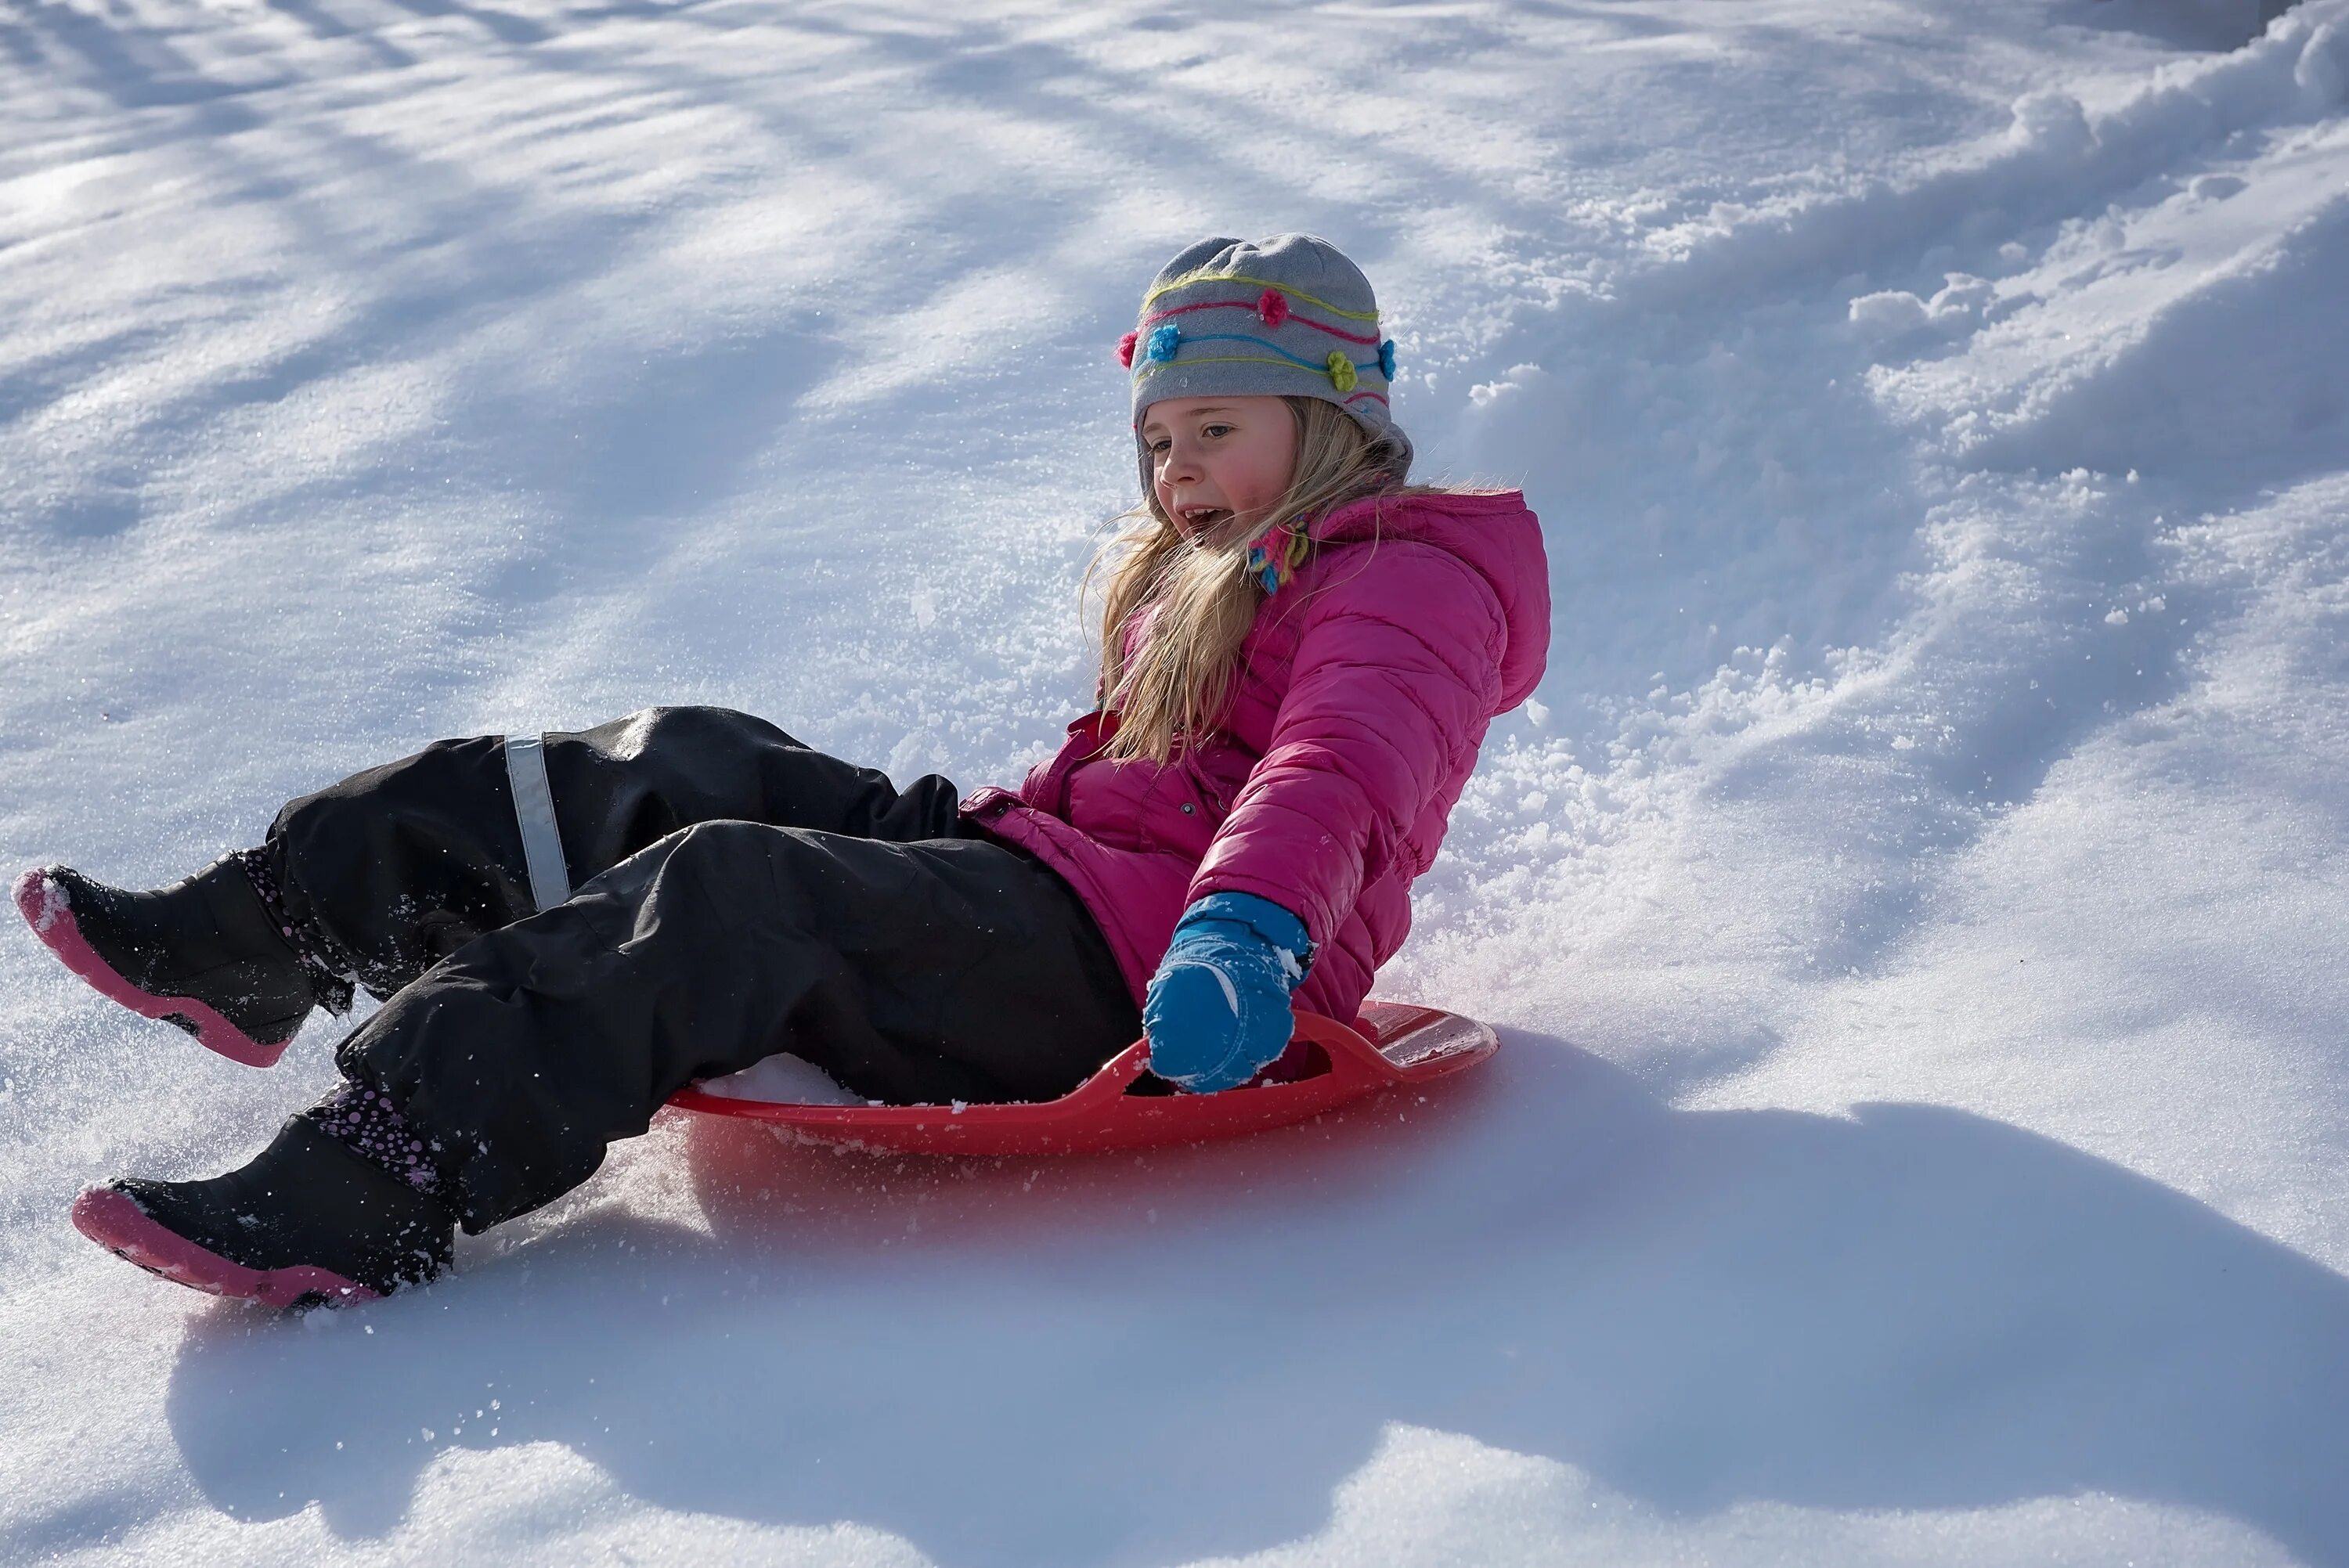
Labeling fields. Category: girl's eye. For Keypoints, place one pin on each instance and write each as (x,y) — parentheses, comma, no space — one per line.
(1214,431)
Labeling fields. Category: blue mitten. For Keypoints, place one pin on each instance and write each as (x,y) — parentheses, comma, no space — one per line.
(1218,1010)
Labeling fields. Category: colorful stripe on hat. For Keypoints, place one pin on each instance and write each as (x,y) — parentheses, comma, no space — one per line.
(1272,309)
(1166,340)
(1188,279)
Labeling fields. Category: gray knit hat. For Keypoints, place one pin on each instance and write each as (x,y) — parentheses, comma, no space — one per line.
(1288,316)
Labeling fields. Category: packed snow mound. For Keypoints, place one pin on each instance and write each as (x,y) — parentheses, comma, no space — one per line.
(1910,903)
(784,1080)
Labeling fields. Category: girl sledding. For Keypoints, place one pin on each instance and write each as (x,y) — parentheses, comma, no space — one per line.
(1302,653)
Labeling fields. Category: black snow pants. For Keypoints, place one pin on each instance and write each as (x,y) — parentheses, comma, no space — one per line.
(737,894)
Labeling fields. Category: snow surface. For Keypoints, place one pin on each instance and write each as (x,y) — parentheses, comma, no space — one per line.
(1913,905)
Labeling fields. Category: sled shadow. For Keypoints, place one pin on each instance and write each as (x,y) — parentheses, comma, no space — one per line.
(1116,1360)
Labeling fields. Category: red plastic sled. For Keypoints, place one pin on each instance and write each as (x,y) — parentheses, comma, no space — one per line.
(1393,1044)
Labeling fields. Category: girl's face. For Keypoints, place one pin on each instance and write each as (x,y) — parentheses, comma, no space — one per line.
(1218,464)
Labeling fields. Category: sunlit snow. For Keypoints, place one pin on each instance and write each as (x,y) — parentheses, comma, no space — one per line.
(1913,905)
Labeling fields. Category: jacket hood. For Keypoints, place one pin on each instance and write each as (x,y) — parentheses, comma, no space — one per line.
(1496,536)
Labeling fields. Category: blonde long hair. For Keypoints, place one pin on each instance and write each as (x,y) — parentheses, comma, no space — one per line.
(1202,597)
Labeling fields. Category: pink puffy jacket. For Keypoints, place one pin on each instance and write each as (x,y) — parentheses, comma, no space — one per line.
(1365,689)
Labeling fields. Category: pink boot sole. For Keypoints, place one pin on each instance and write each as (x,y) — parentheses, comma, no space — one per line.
(47,910)
(119,1225)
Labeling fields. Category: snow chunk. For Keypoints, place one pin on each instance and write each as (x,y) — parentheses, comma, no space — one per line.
(2051,121)
(1517,378)
(2320,73)
(782,1079)
(1955,309)
(52,904)
(1888,314)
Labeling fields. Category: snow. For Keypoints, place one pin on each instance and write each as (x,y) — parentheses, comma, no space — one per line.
(1912,904)
(784,1080)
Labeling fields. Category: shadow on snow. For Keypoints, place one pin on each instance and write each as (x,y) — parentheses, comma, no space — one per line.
(1914,1309)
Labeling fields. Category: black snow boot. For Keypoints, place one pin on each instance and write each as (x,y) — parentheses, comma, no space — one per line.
(305,1222)
(203,953)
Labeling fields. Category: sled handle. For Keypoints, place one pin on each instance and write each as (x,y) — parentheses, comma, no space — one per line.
(1352,1060)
